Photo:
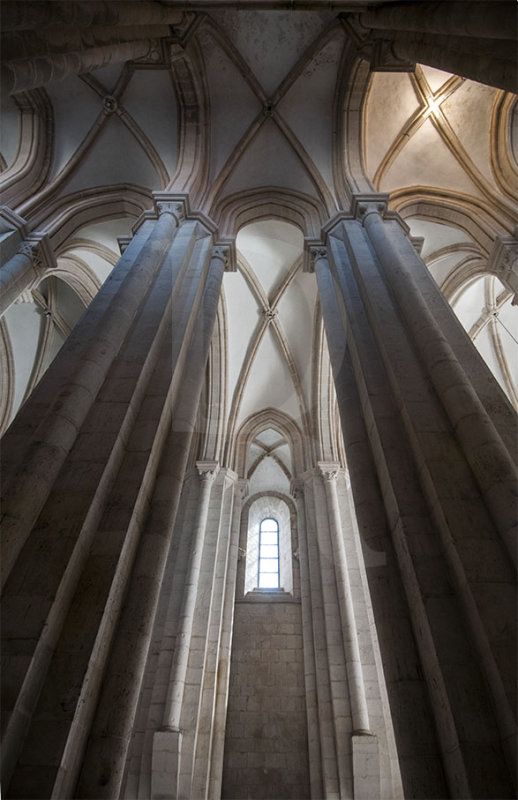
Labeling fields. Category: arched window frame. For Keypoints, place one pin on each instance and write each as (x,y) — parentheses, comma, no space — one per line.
(268,562)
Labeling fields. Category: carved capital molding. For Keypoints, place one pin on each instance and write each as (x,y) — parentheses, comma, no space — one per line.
(311,244)
(229,245)
(207,470)
(365,204)
(384,59)
(154,55)
(24,297)
(503,262)
(222,253)
(317,253)
(31,251)
(123,242)
(297,489)
(377,50)
(11,221)
(418,242)
(242,488)
(37,249)
(173,208)
(328,470)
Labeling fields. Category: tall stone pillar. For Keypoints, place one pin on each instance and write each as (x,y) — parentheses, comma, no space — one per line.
(351,744)
(187,749)
(91,505)
(100,336)
(435,493)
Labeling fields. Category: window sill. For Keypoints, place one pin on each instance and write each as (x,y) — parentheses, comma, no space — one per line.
(268,596)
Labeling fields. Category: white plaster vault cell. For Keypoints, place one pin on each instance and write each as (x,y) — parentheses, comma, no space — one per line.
(485,310)
(439,141)
(269,365)
(269,507)
(37,326)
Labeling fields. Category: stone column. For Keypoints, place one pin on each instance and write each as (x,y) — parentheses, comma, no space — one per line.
(207,470)
(494,468)
(360,714)
(451,54)
(334,711)
(85,14)
(459,37)
(106,751)
(167,743)
(78,378)
(240,491)
(440,463)
(127,300)
(25,269)
(29,73)
(461,18)
(317,747)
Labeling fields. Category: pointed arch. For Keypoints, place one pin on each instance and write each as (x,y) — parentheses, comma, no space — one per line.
(240,209)
(254,425)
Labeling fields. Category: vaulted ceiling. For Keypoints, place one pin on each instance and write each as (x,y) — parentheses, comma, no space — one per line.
(267,95)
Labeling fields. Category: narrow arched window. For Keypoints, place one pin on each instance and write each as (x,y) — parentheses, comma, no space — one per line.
(268,569)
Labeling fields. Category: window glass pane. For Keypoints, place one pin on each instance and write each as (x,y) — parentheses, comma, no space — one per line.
(269,551)
(268,537)
(268,562)
(269,581)
(268,565)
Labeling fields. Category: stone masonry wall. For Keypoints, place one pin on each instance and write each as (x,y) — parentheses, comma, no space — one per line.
(266,750)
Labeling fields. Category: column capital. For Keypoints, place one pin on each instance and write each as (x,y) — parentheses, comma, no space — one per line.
(503,262)
(328,470)
(242,488)
(375,48)
(172,207)
(228,245)
(369,203)
(222,253)
(11,221)
(297,489)
(315,252)
(207,470)
(123,242)
(36,247)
